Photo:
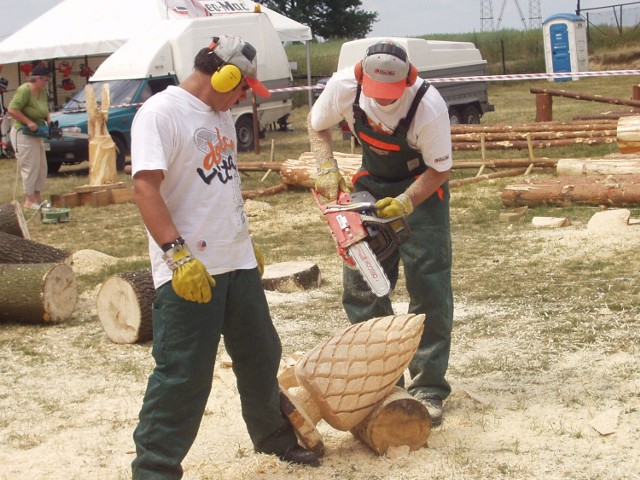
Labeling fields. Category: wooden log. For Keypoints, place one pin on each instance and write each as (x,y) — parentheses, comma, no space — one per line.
(487,176)
(124,306)
(629,134)
(570,126)
(301,172)
(14,249)
(570,192)
(544,107)
(37,292)
(12,220)
(399,420)
(519,144)
(263,192)
(259,166)
(293,276)
(600,166)
(539,162)
(543,135)
(585,96)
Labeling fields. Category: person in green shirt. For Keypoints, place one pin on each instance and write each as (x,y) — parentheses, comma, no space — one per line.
(29,109)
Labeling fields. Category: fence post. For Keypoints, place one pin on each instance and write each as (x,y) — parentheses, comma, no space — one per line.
(544,107)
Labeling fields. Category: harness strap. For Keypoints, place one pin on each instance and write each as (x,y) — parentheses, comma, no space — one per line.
(405,123)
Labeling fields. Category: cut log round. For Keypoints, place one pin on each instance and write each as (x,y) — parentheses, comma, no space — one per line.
(291,276)
(14,249)
(12,220)
(399,420)
(37,292)
(124,306)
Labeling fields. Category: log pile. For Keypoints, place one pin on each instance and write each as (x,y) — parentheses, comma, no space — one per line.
(534,135)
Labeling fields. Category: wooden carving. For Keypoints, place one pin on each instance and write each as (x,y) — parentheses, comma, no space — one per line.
(102,149)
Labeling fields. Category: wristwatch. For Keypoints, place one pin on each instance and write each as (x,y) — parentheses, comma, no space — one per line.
(169,245)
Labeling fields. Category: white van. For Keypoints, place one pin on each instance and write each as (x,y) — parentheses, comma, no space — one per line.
(162,56)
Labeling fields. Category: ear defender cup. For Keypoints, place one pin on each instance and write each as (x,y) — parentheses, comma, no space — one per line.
(357,70)
(226,78)
(412,76)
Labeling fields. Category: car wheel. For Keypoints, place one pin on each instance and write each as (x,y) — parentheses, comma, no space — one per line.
(454,116)
(244,131)
(471,115)
(121,149)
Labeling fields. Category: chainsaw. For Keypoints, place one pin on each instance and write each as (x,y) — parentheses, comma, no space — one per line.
(363,239)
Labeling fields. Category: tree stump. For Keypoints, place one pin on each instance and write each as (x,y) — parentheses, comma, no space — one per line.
(37,292)
(12,220)
(399,420)
(124,306)
(291,276)
(14,249)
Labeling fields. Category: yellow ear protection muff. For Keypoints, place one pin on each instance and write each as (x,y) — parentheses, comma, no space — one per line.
(228,76)
(391,49)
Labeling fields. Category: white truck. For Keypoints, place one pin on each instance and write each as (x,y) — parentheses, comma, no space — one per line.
(467,101)
(162,56)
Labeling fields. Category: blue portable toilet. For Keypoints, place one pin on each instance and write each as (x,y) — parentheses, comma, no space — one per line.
(565,45)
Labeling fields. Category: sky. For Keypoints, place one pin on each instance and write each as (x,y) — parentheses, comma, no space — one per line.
(408,18)
(396,17)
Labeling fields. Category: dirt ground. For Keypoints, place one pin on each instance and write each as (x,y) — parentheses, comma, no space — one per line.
(69,397)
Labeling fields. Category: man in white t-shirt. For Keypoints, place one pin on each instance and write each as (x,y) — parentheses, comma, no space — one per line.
(205,270)
(403,126)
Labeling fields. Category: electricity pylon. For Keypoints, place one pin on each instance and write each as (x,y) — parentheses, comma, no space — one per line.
(486,14)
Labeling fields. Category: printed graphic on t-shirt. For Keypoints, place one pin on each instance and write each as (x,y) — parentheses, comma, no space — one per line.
(217,162)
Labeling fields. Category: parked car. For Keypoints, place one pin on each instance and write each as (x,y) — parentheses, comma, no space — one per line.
(126,96)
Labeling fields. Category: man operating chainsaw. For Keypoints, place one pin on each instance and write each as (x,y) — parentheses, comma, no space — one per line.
(403,126)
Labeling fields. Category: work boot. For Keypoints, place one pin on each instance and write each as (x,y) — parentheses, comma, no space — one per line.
(434,407)
(301,456)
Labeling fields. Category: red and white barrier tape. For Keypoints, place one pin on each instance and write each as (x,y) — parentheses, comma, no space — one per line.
(496,78)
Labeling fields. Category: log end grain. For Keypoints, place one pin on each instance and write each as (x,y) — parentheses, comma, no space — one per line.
(59,293)
(399,421)
(120,305)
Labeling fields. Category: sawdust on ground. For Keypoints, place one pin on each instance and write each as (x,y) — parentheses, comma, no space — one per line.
(79,395)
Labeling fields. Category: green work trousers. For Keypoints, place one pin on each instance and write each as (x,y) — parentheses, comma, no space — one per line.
(426,259)
(185,342)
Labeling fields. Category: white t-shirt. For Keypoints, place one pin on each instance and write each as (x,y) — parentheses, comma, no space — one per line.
(196,148)
(429,133)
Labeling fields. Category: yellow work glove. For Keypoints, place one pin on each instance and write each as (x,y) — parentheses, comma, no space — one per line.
(259,258)
(400,206)
(329,181)
(191,280)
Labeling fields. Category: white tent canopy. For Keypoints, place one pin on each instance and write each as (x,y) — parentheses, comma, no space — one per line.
(75,28)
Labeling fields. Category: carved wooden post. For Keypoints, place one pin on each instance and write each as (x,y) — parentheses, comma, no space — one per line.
(102,149)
